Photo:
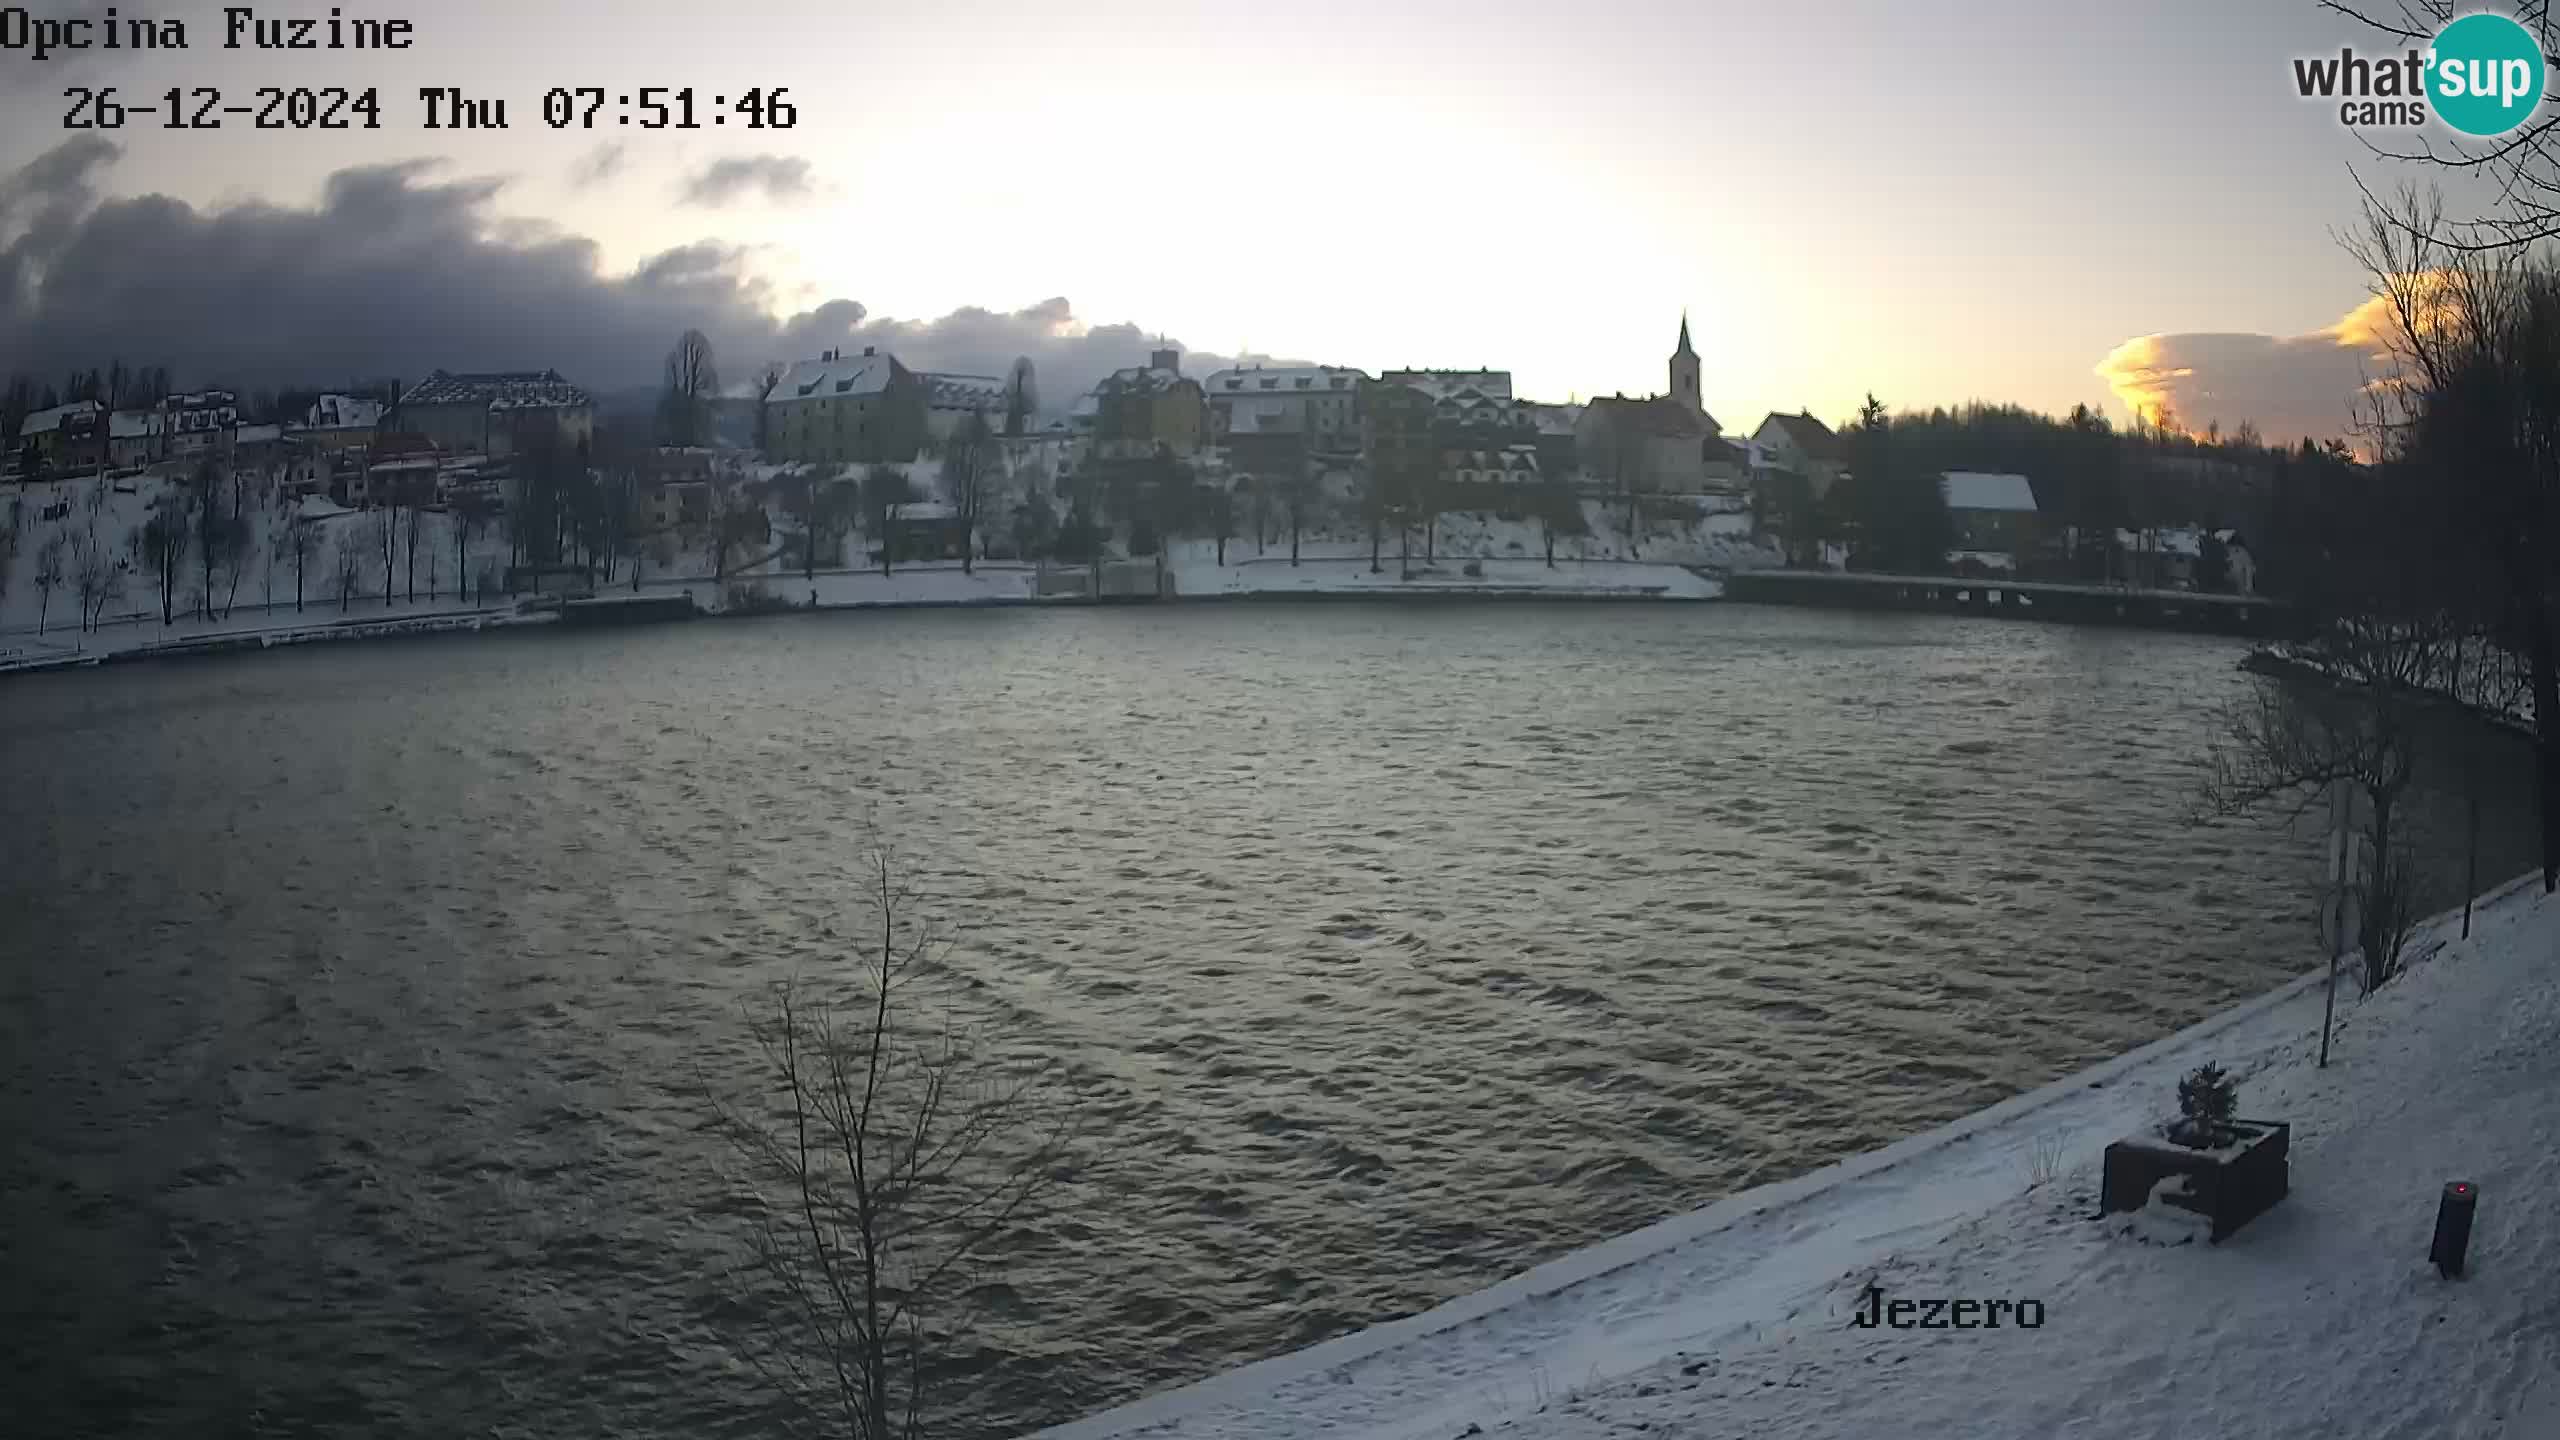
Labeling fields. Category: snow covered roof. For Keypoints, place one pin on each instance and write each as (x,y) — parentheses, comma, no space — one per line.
(343,412)
(45,422)
(866,374)
(923,510)
(1551,419)
(135,424)
(946,391)
(1981,490)
(1809,436)
(1446,384)
(1283,380)
(1142,378)
(257,434)
(498,390)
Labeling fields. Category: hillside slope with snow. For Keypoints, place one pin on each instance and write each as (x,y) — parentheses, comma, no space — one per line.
(2321,1318)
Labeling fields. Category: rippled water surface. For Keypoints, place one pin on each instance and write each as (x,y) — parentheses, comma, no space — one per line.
(358,1005)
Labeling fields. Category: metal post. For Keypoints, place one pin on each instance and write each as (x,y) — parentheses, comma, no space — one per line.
(2337,909)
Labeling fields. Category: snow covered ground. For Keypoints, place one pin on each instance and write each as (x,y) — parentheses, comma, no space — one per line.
(939,583)
(2321,1318)
(37,628)
(1339,569)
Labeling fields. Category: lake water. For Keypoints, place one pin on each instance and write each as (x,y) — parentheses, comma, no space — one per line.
(358,1007)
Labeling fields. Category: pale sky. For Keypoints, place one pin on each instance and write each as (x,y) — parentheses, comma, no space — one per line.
(1933,201)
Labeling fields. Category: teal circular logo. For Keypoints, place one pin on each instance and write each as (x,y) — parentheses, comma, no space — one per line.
(2484,76)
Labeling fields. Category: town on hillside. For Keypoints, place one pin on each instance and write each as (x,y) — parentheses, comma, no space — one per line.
(128,501)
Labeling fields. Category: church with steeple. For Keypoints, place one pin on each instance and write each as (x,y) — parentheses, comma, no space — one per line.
(1684,372)
(1663,444)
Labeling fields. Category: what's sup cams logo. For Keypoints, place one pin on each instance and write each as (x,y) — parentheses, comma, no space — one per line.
(2482,77)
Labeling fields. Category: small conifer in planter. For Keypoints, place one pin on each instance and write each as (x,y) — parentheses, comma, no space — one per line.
(2207,1099)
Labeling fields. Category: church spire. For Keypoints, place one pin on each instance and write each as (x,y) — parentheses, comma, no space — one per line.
(1684,371)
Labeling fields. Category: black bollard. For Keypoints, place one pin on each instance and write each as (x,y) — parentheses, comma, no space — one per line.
(2453,1227)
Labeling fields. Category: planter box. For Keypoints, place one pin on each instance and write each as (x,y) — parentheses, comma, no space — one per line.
(2230,1186)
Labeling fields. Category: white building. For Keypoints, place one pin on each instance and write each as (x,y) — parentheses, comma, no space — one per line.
(1318,402)
(1463,397)
(950,399)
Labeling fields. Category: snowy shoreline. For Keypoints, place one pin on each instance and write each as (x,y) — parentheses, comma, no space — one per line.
(1756,1287)
(937,587)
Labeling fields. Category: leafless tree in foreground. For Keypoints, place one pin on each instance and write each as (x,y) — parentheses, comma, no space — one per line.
(2290,742)
(2515,177)
(893,1159)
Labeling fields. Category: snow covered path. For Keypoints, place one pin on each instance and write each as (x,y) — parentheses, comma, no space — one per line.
(2319,1319)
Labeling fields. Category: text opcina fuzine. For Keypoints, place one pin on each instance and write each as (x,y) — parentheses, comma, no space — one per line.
(1877,1313)
(242,27)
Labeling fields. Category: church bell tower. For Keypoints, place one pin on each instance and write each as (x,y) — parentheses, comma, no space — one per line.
(1684,371)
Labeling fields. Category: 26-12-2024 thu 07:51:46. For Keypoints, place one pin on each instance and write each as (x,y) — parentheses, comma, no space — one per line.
(441,107)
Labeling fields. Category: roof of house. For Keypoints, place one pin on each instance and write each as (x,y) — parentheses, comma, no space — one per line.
(1442,384)
(135,424)
(498,390)
(1980,490)
(1659,415)
(256,434)
(865,374)
(343,412)
(1720,450)
(1282,380)
(1807,434)
(1142,379)
(45,422)
(1551,419)
(947,391)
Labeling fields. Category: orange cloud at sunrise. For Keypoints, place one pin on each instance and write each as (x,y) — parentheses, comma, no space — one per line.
(2286,386)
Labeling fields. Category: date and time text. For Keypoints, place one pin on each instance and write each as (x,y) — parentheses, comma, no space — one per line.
(437,107)
(38,38)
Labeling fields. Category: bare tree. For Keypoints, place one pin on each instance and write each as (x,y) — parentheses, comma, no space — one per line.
(2474,397)
(95,578)
(163,546)
(2519,170)
(1021,397)
(767,381)
(299,539)
(346,565)
(2292,742)
(49,571)
(896,1155)
(966,463)
(209,537)
(693,387)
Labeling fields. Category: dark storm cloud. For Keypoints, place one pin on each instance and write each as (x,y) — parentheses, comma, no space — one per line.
(397,270)
(596,166)
(775,177)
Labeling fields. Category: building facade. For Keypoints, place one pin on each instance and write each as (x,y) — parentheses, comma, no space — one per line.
(1799,445)
(864,409)
(1318,404)
(951,399)
(1145,409)
(497,412)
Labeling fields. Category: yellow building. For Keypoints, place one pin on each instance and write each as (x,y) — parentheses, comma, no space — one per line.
(846,409)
